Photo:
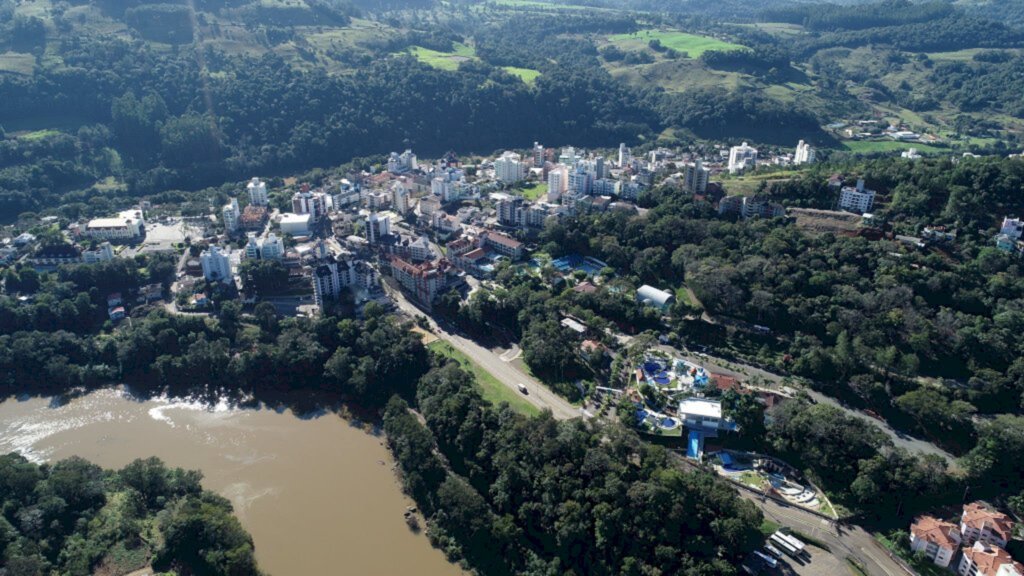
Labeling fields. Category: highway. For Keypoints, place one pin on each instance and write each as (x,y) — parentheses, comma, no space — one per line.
(539,394)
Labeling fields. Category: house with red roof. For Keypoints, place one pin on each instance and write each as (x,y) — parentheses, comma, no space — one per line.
(988,560)
(938,540)
(980,523)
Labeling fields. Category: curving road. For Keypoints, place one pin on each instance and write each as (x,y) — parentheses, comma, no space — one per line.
(539,394)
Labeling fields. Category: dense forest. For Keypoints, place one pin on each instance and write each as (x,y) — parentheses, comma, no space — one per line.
(515,495)
(72,517)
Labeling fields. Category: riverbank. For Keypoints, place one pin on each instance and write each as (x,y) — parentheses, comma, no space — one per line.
(311,489)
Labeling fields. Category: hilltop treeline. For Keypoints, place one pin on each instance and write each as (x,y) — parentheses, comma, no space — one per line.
(74,518)
(535,496)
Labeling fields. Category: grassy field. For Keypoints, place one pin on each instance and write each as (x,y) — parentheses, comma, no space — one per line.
(527,75)
(690,44)
(536,191)
(492,390)
(17,63)
(444,60)
(870,146)
(546,5)
(675,75)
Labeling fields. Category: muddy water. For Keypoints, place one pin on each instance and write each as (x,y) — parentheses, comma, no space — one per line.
(317,494)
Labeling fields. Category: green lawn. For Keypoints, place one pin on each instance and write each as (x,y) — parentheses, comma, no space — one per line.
(444,60)
(690,44)
(870,146)
(38,134)
(527,75)
(536,191)
(492,390)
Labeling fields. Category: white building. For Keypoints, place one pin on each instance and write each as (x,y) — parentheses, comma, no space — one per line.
(216,265)
(400,198)
(269,248)
(295,224)
(701,413)
(1012,227)
(378,225)
(538,155)
(402,163)
(231,213)
(330,277)
(580,182)
(859,199)
(128,225)
(939,541)
(804,154)
(510,210)
(558,183)
(257,192)
(742,158)
(652,296)
(312,203)
(429,205)
(695,178)
(979,523)
(987,560)
(568,157)
(509,168)
(625,156)
(348,194)
(101,253)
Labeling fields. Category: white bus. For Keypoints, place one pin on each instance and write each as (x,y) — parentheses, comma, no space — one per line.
(784,545)
(768,560)
(792,540)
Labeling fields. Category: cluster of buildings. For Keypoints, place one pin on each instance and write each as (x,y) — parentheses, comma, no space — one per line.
(975,546)
(1009,237)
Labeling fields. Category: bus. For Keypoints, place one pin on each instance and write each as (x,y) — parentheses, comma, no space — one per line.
(773,550)
(784,545)
(792,540)
(766,559)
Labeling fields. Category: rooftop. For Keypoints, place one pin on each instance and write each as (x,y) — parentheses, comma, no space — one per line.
(701,407)
(989,559)
(979,515)
(937,531)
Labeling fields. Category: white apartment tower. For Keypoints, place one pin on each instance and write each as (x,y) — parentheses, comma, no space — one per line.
(742,158)
(625,156)
(538,154)
(400,198)
(231,213)
(558,183)
(509,168)
(858,199)
(695,178)
(805,154)
(257,192)
(216,265)
(378,225)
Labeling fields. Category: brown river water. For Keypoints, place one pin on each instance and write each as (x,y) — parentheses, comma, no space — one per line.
(317,494)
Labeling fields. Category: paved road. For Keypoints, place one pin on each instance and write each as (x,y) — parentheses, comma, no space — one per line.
(540,396)
(844,541)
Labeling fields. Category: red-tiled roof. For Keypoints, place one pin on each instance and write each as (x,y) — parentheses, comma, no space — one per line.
(978,515)
(503,239)
(933,530)
(988,559)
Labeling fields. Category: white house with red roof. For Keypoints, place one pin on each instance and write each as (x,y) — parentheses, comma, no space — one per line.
(938,540)
(980,523)
(988,560)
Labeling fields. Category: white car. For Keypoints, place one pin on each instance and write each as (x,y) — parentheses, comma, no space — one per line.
(523,389)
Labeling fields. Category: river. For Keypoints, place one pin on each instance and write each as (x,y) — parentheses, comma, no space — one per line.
(317,494)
